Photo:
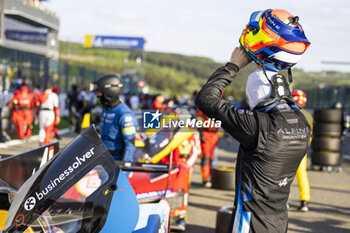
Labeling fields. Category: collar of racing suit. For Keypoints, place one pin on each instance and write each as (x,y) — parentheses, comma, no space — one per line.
(279,105)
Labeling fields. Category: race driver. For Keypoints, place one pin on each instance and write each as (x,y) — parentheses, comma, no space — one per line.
(274,134)
(118,122)
(304,187)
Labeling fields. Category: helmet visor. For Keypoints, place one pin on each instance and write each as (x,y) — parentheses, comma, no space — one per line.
(297,46)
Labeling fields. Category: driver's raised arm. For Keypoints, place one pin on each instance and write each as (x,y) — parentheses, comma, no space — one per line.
(241,124)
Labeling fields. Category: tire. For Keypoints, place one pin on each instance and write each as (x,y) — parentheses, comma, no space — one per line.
(328,116)
(324,158)
(223,178)
(327,129)
(223,217)
(326,144)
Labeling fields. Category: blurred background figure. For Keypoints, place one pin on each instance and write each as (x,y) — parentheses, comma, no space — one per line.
(56,90)
(17,82)
(143,101)
(49,113)
(2,104)
(158,103)
(170,106)
(72,104)
(22,103)
(191,102)
(209,137)
(347,120)
(191,105)
(134,102)
(149,101)
(85,103)
(304,187)
(36,93)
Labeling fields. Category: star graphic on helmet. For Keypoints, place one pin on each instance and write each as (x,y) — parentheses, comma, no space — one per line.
(155,115)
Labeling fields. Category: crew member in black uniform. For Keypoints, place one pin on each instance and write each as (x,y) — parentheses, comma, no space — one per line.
(274,134)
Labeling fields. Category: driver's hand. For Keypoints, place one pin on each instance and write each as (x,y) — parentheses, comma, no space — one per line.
(240,58)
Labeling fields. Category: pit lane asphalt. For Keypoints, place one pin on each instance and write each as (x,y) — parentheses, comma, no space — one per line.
(329,208)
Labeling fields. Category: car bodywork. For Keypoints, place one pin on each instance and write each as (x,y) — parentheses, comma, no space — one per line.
(48,202)
(177,146)
(16,169)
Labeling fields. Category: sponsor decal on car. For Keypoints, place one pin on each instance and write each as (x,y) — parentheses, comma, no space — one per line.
(30,203)
(153,194)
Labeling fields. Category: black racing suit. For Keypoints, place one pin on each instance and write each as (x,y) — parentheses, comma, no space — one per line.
(272,145)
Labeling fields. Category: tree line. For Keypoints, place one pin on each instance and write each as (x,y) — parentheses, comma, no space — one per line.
(180,74)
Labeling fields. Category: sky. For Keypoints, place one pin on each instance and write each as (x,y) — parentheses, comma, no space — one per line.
(205,27)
